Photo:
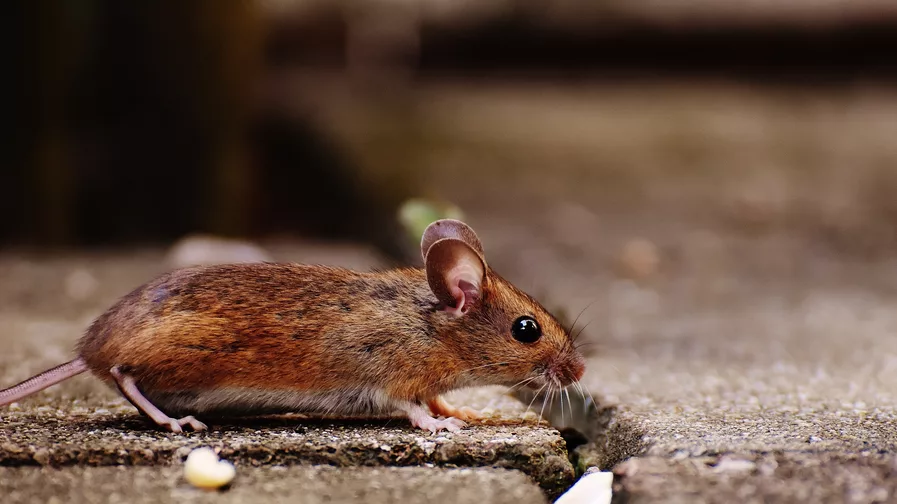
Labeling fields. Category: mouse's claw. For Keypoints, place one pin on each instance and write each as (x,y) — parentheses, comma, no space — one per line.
(194,424)
(177,426)
(435,425)
(172,425)
(454,424)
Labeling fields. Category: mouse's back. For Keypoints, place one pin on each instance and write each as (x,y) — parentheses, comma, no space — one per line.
(226,325)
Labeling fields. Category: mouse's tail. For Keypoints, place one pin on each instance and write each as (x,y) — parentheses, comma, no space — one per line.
(46,379)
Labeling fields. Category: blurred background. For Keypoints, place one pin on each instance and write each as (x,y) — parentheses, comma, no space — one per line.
(710,184)
(636,138)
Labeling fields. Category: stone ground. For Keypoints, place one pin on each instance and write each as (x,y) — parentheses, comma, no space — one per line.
(302,484)
(756,362)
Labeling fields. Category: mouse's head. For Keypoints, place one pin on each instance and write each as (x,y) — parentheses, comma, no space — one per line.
(500,333)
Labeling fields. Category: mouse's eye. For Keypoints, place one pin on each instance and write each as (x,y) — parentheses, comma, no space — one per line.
(526,330)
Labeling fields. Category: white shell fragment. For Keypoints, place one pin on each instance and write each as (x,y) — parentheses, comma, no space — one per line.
(592,488)
(204,470)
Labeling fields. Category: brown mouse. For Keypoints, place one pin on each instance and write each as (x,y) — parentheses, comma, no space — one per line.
(265,338)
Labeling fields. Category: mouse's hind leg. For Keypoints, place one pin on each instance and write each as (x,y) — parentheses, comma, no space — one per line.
(128,388)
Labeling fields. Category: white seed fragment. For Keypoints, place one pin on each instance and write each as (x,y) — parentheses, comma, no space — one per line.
(204,470)
(593,488)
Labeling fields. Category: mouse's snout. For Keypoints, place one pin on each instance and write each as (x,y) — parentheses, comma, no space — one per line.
(567,369)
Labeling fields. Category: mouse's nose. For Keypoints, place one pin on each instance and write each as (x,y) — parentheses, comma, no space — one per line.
(573,370)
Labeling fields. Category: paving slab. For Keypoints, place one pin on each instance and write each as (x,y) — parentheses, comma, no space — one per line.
(59,437)
(828,477)
(280,484)
(796,393)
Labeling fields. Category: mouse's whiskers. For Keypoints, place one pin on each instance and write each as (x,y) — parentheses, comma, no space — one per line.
(573,326)
(522,382)
(535,396)
(569,402)
(549,397)
(582,395)
(580,390)
(585,389)
(581,329)
(559,393)
(454,376)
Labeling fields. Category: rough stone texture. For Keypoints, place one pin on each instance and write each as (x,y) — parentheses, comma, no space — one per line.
(804,383)
(64,437)
(279,484)
(751,477)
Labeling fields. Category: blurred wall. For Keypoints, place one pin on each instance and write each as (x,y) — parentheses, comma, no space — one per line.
(145,120)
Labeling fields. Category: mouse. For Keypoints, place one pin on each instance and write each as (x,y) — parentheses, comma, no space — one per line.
(263,338)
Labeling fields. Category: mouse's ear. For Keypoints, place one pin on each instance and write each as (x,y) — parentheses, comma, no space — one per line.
(450,228)
(455,265)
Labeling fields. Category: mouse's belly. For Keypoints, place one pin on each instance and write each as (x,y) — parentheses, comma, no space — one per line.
(246,402)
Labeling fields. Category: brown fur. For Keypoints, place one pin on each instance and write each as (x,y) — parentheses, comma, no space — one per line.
(249,339)
(313,328)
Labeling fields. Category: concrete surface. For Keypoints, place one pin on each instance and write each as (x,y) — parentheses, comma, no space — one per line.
(802,387)
(789,476)
(279,484)
(65,437)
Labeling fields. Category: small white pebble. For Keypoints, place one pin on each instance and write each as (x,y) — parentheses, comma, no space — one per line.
(204,470)
(592,488)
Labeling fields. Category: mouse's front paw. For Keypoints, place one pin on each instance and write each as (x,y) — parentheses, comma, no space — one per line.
(419,418)
(435,425)
(441,407)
